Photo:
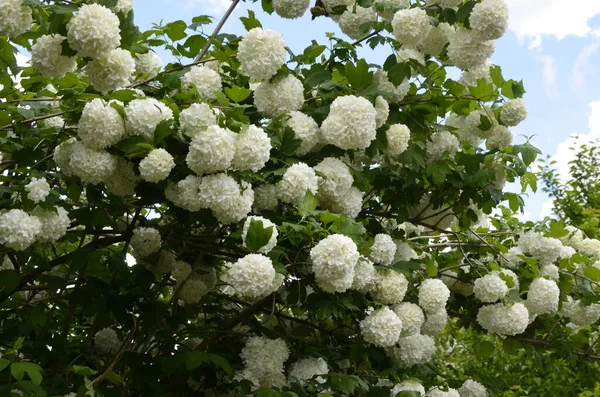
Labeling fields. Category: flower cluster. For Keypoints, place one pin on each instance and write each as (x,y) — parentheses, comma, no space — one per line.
(145,241)
(265,224)
(264,359)
(333,261)
(306,369)
(37,190)
(205,80)
(47,58)
(157,165)
(504,319)
(290,9)
(94,31)
(382,327)
(351,123)
(279,95)
(100,125)
(261,53)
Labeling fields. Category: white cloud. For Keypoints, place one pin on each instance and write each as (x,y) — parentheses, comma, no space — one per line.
(549,74)
(213,7)
(583,67)
(532,19)
(546,210)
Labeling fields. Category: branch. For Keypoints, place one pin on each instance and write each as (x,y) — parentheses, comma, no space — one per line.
(217,30)
(31,120)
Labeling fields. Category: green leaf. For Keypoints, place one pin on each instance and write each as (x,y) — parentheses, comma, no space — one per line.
(529,179)
(483,91)
(510,282)
(557,229)
(163,130)
(267,392)
(496,74)
(592,272)
(66,50)
(409,394)
(352,229)
(222,99)
(258,236)
(398,73)
(250,22)
(199,21)
(309,204)
(358,76)
(194,359)
(3,363)
(9,281)
(237,94)
(129,31)
(513,89)
(464,12)
(18,370)
(485,123)
(267,6)
(484,349)
(176,30)
(62,8)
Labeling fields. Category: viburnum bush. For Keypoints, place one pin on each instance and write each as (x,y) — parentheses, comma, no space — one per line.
(249,221)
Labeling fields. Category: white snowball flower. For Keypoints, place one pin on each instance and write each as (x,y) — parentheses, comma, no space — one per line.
(192,290)
(389,8)
(470,77)
(333,261)
(437,38)
(383,111)
(436,392)
(442,142)
(404,252)
(228,201)
(382,327)
(542,297)
(412,317)
(265,224)
(92,166)
(196,118)
(107,341)
(18,229)
(545,249)
(148,64)
(503,319)
(265,198)
(398,136)
(413,349)
(489,19)
(405,54)
(264,359)
(550,271)
(205,80)
(252,149)
(211,150)
(54,223)
(47,58)
(37,190)
(296,181)
(364,275)
(450,278)
(279,96)
(390,287)
(352,19)
(435,323)
(582,315)
(157,165)
(145,241)
(94,31)
(383,250)
(490,288)
(100,125)
(472,388)
(512,275)
(331,4)
(351,123)
(306,369)
(390,92)
(411,26)
(261,53)
(306,129)
(15,19)
(513,112)
(500,138)
(349,204)
(124,6)
(62,156)
(111,71)
(181,270)
(290,9)
(144,115)
(337,179)
(433,295)
(408,385)
(467,50)
(123,180)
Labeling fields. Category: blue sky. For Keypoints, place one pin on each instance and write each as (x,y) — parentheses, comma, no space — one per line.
(553,47)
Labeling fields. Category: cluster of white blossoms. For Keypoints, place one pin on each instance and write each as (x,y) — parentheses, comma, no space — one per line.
(111,71)
(148,64)
(513,112)
(382,109)
(279,95)
(542,297)
(123,6)
(412,317)
(364,275)
(252,149)
(107,341)
(47,58)
(156,166)
(489,19)
(290,9)
(181,270)
(295,182)
(205,80)
(123,180)
(18,229)
(433,295)
(580,314)
(145,241)
(546,249)
(398,136)
(351,22)
(390,287)
(144,115)
(413,350)
(37,189)
(500,138)
(90,165)
(192,290)
(54,223)
(389,7)
(252,277)
(94,31)
(306,130)
(15,18)
(351,123)
(335,182)
(408,385)
(333,261)
(100,125)
(490,288)
(261,53)
(383,250)
(437,39)
(411,26)
(472,388)
(265,249)
(504,319)
(196,118)
(437,392)
(442,142)
(264,360)
(467,49)
(306,369)
(265,198)
(389,91)
(382,327)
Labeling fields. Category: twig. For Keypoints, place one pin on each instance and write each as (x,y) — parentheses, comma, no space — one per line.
(217,30)
(31,120)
